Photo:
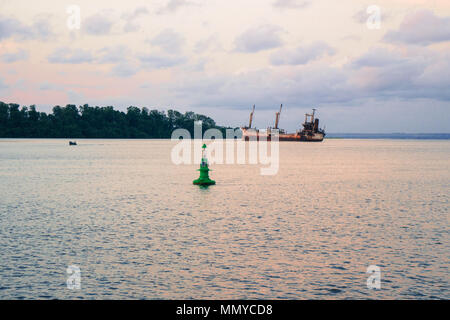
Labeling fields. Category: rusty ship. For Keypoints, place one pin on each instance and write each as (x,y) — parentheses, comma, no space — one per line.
(311,132)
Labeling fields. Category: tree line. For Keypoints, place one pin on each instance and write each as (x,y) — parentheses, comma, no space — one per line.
(96,122)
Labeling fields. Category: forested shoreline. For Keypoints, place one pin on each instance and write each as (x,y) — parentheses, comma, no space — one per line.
(96,122)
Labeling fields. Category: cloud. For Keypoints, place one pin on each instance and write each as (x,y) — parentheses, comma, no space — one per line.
(66,55)
(196,66)
(291,4)
(75,97)
(161,61)
(131,25)
(386,73)
(124,69)
(199,66)
(40,29)
(102,23)
(19,55)
(98,24)
(434,81)
(378,57)
(107,55)
(377,75)
(361,16)
(114,54)
(174,5)
(351,38)
(258,39)
(267,88)
(168,40)
(382,73)
(46,86)
(10,27)
(117,55)
(393,80)
(301,55)
(3,85)
(210,43)
(422,27)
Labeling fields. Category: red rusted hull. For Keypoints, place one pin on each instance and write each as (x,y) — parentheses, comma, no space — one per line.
(253,135)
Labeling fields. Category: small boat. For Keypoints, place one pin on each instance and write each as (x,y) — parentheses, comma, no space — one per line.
(72,143)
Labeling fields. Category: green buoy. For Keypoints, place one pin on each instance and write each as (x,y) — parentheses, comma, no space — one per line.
(204,179)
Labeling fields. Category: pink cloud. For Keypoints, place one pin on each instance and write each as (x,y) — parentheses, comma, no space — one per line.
(422,27)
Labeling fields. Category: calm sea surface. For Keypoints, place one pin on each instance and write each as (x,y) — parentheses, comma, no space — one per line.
(138,229)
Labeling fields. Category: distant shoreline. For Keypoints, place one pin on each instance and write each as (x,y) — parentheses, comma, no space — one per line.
(336,136)
(390,136)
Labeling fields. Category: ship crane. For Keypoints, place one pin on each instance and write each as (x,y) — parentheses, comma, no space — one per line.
(277,121)
(251,117)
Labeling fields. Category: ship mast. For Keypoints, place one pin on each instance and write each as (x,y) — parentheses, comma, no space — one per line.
(277,121)
(251,117)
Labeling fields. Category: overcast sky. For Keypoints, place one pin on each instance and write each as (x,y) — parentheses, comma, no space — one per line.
(220,57)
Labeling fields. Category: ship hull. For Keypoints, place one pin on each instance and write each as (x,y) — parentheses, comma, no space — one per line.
(254,135)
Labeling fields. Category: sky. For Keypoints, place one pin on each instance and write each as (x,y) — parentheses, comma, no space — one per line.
(219,58)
